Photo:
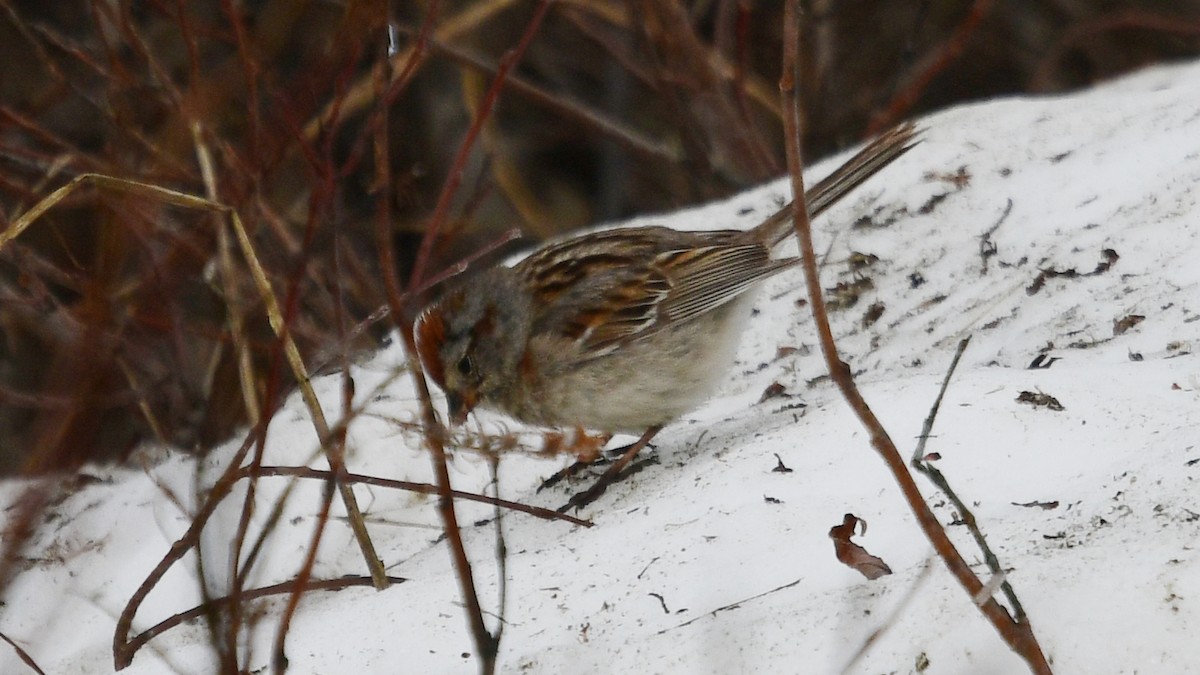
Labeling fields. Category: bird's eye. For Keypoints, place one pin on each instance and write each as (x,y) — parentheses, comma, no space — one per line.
(465,365)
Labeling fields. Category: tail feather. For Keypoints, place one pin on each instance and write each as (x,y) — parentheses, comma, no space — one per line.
(869,161)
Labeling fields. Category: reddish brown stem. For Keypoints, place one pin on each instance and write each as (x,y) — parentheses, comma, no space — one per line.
(931,67)
(591,120)
(124,648)
(1018,635)
(279,654)
(23,655)
(423,488)
(486,106)
(486,644)
(217,604)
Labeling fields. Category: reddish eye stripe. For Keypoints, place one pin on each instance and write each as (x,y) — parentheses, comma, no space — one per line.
(430,333)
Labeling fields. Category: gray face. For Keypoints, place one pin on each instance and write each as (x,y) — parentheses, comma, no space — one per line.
(486,323)
(463,378)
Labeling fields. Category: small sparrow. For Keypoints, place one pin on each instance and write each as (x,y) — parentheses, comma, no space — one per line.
(622,330)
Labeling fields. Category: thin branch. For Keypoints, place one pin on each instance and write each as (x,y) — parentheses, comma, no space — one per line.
(486,106)
(932,66)
(23,655)
(425,489)
(501,550)
(124,648)
(936,477)
(218,604)
(592,120)
(732,605)
(486,645)
(279,661)
(1018,635)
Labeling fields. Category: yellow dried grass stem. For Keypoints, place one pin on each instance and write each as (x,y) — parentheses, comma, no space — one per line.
(274,316)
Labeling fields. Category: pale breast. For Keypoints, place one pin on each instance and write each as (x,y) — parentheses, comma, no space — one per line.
(645,383)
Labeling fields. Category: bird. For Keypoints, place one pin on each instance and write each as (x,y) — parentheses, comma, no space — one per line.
(621,330)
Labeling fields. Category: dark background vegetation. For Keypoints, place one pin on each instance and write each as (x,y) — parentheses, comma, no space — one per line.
(325,119)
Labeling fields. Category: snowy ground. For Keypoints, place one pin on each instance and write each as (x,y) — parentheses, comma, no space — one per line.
(710,562)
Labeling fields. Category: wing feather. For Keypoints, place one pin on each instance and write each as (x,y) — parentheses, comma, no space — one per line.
(607,289)
(706,278)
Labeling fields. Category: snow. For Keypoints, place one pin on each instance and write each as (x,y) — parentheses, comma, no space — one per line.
(709,561)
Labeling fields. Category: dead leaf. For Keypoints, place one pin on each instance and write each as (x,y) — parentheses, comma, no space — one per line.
(1110,258)
(872,314)
(1043,361)
(858,261)
(846,294)
(1040,400)
(775,390)
(931,203)
(1125,323)
(851,554)
(1036,504)
(959,179)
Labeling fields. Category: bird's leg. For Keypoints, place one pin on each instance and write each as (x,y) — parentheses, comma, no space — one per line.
(610,475)
(567,472)
(588,450)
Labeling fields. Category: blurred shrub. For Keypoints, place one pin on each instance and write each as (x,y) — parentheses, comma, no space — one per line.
(323,122)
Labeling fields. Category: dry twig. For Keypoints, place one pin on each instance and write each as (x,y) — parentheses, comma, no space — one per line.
(1017,634)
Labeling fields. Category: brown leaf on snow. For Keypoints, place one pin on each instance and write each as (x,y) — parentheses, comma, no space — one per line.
(1040,400)
(959,179)
(774,390)
(858,261)
(1123,324)
(872,314)
(1110,258)
(853,555)
(846,294)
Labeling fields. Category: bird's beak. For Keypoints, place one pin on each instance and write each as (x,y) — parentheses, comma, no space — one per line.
(460,406)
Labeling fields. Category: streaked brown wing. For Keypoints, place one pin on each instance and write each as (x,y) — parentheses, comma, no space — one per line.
(611,288)
(597,289)
(625,312)
(703,279)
